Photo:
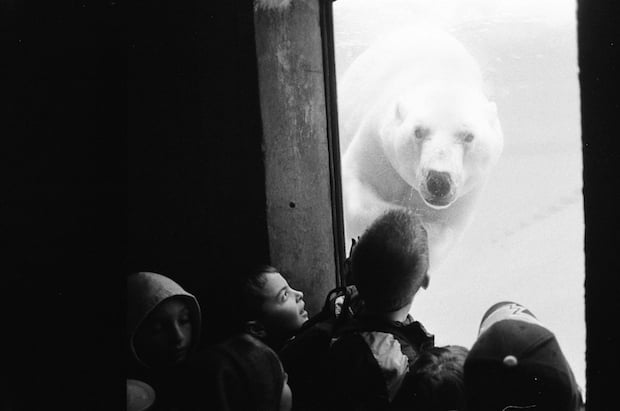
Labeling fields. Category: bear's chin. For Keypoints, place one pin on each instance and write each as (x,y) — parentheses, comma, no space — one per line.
(438,203)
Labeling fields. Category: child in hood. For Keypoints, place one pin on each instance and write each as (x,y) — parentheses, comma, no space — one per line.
(163,327)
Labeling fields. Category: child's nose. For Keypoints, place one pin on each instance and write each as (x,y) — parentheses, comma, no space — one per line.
(178,335)
(300,295)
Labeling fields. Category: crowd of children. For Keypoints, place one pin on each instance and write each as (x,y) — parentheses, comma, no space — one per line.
(363,351)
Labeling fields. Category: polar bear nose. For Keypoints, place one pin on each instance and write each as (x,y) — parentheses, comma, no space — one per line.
(438,183)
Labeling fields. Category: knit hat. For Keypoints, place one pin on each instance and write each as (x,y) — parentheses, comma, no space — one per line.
(517,363)
(390,261)
(145,291)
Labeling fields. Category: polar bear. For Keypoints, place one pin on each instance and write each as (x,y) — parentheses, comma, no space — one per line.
(416,131)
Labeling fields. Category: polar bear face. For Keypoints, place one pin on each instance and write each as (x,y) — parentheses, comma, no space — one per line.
(442,139)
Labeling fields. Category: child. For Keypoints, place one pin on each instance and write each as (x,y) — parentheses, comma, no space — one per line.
(270,308)
(163,326)
(372,355)
(304,357)
(240,374)
(435,381)
(517,363)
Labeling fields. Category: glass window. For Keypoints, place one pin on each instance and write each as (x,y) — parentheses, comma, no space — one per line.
(525,240)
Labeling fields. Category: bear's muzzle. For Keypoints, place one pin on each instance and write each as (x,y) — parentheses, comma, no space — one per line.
(438,189)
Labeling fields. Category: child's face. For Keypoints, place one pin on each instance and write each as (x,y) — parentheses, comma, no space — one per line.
(283,307)
(165,337)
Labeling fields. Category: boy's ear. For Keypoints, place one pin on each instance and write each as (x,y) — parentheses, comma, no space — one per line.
(255,329)
(348,274)
(426,281)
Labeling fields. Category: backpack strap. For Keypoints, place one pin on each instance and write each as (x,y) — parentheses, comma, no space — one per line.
(413,334)
(327,313)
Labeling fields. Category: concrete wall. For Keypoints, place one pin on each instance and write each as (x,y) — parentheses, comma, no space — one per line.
(295,146)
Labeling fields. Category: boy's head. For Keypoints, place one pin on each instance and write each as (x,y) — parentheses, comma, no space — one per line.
(241,373)
(390,261)
(436,381)
(268,299)
(163,320)
(517,363)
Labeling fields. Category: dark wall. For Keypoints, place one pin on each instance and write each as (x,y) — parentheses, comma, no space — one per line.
(63,203)
(132,139)
(196,177)
(600,110)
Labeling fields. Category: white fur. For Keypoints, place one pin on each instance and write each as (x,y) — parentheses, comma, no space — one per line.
(417,78)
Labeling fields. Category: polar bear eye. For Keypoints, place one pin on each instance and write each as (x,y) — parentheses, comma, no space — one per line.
(421,132)
(467,136)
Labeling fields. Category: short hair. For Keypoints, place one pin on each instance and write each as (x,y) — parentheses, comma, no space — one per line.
(436,380)
(390,261)
(251,283)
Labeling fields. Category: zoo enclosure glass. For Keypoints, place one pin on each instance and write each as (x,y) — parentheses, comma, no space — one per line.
(525,242)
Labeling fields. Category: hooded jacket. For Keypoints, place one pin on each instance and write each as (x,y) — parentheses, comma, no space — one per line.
(146,291)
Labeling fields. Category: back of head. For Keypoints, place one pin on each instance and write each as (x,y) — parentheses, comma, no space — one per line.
(145,292)
(241,373)
(516,363)
(390,261)
(436,382)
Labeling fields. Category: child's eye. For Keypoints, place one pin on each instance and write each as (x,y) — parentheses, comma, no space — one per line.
(284,296)
(184,320)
